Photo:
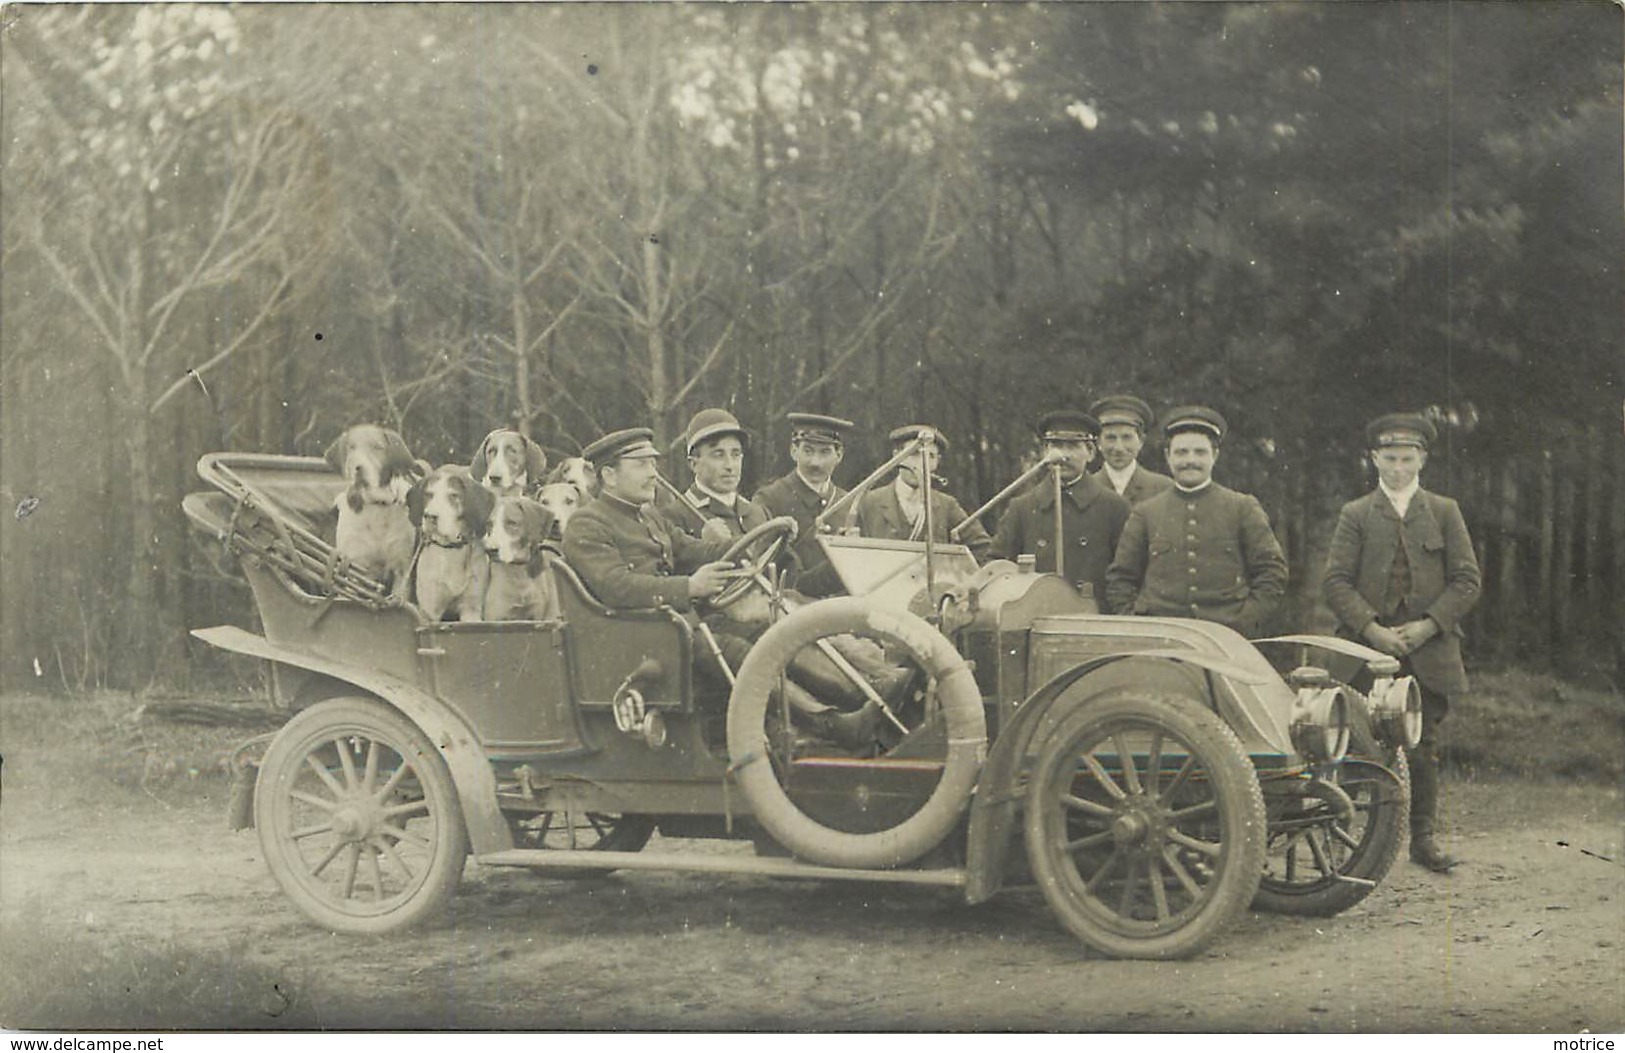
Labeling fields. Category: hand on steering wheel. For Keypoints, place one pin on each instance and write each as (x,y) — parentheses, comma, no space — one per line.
(780,530)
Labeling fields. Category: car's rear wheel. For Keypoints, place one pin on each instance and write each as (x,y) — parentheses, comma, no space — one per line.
(580,831)
(881,806)
(1145,825)
(358,817)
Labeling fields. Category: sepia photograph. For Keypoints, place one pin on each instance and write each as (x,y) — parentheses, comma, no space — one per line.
(813,517)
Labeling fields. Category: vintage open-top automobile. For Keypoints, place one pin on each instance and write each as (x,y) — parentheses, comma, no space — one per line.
(1163,774)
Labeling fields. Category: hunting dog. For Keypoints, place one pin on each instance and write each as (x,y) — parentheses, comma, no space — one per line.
(374,529)
(508,464)
(521,589)
(568,487)
(451,510)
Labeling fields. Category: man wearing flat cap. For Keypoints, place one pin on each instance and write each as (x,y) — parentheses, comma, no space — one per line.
(1092,517)
(716,443)
(1124,420)
(1198,549)
(897,511)
(1400,576)
(628,555)
(817,444)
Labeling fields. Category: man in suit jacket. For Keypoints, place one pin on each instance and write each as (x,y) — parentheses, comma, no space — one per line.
(1400,575)
(1092,516)
(898,511)
(817,444)
(1198,550)
(1124,420)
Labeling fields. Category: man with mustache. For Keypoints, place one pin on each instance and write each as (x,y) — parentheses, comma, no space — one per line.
(817,444)
(898,511)
(1198,550)
(1092,516)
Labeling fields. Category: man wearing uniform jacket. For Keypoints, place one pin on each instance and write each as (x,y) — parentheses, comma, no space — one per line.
(817,444)
(626,554)
(716,444)
(897,511)
(1198,550)
(1092,517)
(1124,420)
(1400,575)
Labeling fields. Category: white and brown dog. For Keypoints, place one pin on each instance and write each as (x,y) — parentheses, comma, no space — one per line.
(374,529)
(451,510)
(568,487)
(521,589)
(509,465)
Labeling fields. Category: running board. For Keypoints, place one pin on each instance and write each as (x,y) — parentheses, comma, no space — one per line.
(768,866)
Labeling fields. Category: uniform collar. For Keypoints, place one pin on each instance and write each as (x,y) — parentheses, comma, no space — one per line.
(1081,490)
(702,494)
(1205,488)
(620,504)
(827,491)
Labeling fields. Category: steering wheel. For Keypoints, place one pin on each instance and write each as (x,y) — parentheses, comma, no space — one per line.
(780,530)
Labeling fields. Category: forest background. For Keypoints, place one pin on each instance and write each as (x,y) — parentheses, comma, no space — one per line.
(248,227)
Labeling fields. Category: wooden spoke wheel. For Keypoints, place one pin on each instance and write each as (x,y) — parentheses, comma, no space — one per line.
(1145,825)
(358,817)
(1323,858)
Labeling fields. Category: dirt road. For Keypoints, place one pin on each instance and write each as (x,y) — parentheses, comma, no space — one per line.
(160,915)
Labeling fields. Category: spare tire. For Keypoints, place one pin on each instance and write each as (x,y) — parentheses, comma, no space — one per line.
(757,772)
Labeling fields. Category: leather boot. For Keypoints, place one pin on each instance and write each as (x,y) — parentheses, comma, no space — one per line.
(1426,851)
(853,731)
(818,673)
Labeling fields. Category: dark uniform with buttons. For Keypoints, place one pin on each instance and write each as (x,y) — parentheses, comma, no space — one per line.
(789,495)
(1388,570)
(880,513)
(629,555)
(1092,517)
(1206,554)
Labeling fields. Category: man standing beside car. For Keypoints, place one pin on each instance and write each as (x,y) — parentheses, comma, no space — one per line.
(1124,420)
(1400,575)
(1198,550)
(1092,516)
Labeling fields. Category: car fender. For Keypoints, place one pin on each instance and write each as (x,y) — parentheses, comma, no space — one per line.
(995,807)
(456,741)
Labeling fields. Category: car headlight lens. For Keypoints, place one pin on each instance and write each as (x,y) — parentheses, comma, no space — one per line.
(1320,723)
(1396,711)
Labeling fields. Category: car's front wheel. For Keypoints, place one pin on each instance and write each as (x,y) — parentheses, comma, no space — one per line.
(1145,825)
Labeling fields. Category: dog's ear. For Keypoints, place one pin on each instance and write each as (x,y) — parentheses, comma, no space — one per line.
(538,520)
(477,466)
(538,526)
(416,498)
(477,505)
(397,458)
(535,463)
(335,452)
